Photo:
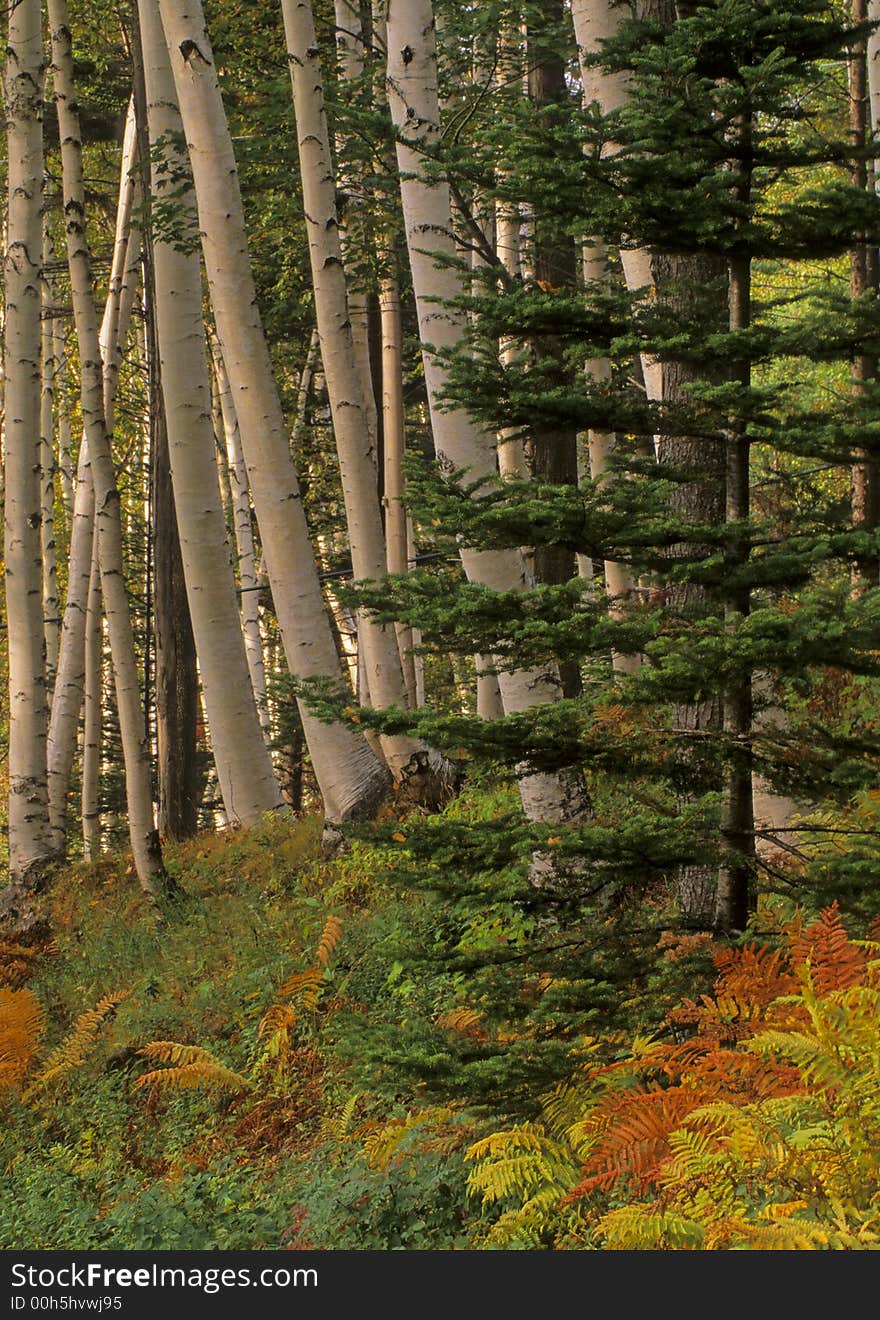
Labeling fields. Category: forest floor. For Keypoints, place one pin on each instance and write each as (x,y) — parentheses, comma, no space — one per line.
(92,1159)
(181,1081)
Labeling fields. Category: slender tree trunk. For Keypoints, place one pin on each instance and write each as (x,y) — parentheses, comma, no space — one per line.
(351,779)
(244,767)
(865,474)
(177,684)
(412,91)
(65,461)
(51,603)
(552,455)
(702,500)
(93,712)
(30,842)
(354,217)
(345,383)
(68,696)
(508,245)
(248,576)
(176,671)
(142,829)
(619,584)
(394,437)
(736,877)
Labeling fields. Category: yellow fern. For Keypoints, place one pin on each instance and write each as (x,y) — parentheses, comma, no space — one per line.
(383,1142)
(76,1046)
(188,1067)
(22,1024)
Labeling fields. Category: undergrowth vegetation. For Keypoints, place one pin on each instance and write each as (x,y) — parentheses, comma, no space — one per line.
(312,1053)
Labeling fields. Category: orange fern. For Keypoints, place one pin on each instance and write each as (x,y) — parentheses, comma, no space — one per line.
(835,962)
(330,937)
(22,1023)
(649,1096)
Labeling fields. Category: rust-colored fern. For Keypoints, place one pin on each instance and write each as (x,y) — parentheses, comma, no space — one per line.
(22,1024)
(648,1098)
(330,937)
(835,962)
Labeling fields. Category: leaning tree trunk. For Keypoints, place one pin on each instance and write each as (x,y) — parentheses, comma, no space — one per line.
(30,842)
(346,387)
(67,700)
(352,781)
(460,444)
(244,768)
(142,830)
(242,526)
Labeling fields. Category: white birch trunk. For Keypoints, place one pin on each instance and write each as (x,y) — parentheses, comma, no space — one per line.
(30,847)
(51,603)
(66,471)
(93,711)
(69,686)
(460,444)
(351,779)
(345,386)
(619,583)
(142,829)
(244,767)
(511,451)
(350,46)
(394,437)
(594,22)
(240,501)
(874,80)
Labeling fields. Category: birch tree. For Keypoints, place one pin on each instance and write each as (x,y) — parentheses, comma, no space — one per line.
(30,845)
(460,444)
(346,387)
(244,768)
(350,777)
(67,700)
(142,830)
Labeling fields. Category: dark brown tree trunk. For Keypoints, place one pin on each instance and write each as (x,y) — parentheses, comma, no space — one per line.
(736,877)
(700,501)
(552,455)
(177,691)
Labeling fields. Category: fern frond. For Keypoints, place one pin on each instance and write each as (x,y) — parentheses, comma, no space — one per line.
(74,1049)
(330,937)
(280,1017)
(637,1228)
(189,1068)
(835,961)
(382,1143)
(22,1024)
(304,987)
